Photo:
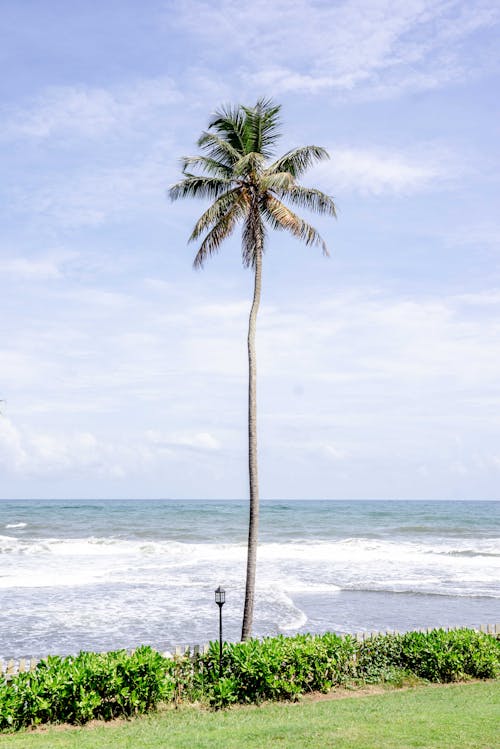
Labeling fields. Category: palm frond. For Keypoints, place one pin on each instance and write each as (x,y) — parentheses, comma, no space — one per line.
(312,199)
(194,186)
(251,162)
(218,210)
(281,217)
(276,181)
(207,165)
(229,122)
(219,148)
(262,126)
(299,160)
(216,236)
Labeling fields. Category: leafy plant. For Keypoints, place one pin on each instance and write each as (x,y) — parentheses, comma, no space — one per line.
(443,656)
(92,685)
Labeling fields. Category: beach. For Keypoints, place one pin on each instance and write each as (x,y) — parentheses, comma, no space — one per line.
(101,575)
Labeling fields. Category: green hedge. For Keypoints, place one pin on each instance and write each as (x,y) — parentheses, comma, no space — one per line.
(286,667)
(90,685)
(278,667)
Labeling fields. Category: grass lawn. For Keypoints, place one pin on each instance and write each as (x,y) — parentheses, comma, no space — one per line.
(455,716)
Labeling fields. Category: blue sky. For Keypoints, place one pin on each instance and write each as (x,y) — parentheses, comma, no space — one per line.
(124,371)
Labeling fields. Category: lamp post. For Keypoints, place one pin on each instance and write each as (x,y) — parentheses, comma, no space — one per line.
(220,599)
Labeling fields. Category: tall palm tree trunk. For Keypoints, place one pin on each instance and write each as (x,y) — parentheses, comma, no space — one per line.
(253,524)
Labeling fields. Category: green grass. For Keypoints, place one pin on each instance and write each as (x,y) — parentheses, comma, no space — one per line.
(459,716)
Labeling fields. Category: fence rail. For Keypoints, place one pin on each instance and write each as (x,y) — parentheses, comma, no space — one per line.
(12,666)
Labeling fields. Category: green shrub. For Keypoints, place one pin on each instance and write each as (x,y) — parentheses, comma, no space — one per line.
(278,668)
(379,658)
(442,656)
(91,685)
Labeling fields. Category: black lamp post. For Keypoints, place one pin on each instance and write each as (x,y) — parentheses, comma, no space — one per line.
(220,599)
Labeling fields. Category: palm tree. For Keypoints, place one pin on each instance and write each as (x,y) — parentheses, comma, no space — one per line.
(234,170)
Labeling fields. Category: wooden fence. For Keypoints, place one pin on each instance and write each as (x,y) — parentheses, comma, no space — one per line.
(13,666)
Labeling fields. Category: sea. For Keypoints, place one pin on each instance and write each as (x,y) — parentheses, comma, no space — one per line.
(102,575)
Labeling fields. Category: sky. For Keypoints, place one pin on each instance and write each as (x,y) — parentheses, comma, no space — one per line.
(123,371)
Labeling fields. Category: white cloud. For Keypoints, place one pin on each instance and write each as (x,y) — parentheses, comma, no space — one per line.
(23,362)
(159,285)
(376,172)
(44,267)
(284,80)
(32,452)
(377,352)
(195,441)
(474,235)
(12,452)
(378,48)
(459,468)
(486,298)
(335,453)
(374,374)
(94,196)
(87,112)
(99,300)
(25,267)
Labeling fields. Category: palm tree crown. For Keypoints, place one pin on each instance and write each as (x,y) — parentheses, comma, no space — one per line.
(234,171)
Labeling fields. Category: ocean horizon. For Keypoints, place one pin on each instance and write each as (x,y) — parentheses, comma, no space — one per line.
(105,574)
